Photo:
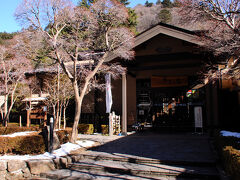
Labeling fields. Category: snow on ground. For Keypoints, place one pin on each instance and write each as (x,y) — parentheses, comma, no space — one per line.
(63,151)
(229,133)
(25,133)
(85,143)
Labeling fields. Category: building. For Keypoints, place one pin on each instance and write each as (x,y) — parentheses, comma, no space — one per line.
(162,84)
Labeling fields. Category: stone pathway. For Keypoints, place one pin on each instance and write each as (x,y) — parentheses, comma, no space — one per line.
(145,155)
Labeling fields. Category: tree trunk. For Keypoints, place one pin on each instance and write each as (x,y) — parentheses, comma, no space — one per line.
(54,116)
(78,107)
(60,116)
(64,117)
(5,111)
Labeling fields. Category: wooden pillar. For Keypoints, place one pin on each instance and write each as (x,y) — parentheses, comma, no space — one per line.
(28,117)
(124,104)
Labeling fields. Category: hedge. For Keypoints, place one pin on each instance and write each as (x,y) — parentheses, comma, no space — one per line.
(231,158)
(11,130)
(104,129)
(85,128)
(229,154)
(33,144)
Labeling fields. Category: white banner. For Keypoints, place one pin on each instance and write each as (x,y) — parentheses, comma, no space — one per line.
(108,93)
(198,117)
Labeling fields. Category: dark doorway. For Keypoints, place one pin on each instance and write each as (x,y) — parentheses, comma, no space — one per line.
(167,108)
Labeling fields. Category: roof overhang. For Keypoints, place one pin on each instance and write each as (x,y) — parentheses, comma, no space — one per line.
(172,31)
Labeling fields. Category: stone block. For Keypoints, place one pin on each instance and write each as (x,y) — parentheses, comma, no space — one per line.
(14,175)
(26,173)
(63,162)
(15,165)
(40,166)
(3,165)
(69,160)
(3,174)
(57,163)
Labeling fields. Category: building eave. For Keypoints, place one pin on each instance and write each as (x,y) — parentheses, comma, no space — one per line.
(161,28)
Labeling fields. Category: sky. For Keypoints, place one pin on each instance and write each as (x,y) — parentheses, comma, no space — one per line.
(7,9)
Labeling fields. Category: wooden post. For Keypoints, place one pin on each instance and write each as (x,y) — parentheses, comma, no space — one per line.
(124,104)
(20,121)
(28,117)
(110,128)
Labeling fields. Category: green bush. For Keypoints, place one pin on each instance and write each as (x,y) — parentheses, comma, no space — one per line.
(33,144)
(11,130)
(104,129)
(85,128)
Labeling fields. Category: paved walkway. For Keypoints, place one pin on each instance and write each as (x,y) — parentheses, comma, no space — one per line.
(172,147)
(143,156)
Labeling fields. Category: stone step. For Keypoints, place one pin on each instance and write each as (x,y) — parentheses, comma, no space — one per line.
(141,160)
(66,174)
(153,170)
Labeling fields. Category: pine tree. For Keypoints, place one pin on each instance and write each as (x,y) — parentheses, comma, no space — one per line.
(158,2)
(167,4)
(165,16)
(125,2)
(148,4)
(132,20)
(85,3)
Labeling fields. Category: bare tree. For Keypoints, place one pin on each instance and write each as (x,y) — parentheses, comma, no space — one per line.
(59,88)
(81,40)
(12,69)
(222,35)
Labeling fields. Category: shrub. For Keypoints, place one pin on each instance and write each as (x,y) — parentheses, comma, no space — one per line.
(33,144)
(64,135)
(85,128)
(11,130)
(231,158)
(227,148)
(104,129)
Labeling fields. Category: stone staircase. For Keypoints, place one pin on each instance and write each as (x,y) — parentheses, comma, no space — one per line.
(100,165)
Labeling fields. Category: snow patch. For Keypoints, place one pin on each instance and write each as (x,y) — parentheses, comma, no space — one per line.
(63,151)
(25,133)
(86,143)
(229,133)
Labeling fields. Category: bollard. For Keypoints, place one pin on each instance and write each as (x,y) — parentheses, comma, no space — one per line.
(51,135)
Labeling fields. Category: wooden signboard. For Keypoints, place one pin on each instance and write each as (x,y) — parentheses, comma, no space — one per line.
(169,81)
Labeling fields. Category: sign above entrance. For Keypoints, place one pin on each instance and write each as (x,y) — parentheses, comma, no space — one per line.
(169,81)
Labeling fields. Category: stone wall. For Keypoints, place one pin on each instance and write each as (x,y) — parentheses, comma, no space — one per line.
(20,169)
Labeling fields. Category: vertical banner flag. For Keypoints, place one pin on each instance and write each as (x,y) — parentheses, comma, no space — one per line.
(108,93)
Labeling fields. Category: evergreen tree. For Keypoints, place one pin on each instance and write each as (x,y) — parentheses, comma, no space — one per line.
(88,3)
(125,2)
(165,16)
(158,2)
(148,4)
(132,20)
(167,4)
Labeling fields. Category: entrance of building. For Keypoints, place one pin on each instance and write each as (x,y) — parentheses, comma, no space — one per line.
(166,108)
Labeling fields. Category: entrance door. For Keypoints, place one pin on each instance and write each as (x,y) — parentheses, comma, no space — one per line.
(166,108)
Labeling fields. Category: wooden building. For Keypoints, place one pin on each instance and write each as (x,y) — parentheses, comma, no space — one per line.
(162,83)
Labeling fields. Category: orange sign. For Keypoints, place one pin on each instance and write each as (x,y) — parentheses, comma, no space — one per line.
(169,81)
